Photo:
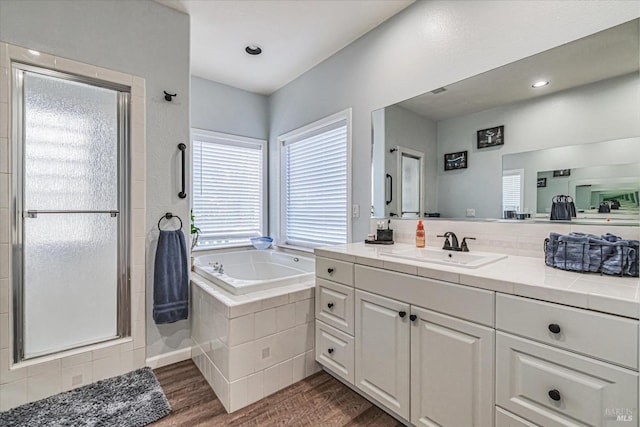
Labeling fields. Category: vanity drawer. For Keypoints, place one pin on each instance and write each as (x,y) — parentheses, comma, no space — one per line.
(554,387)
(603,336)
(334,351)
(464,302)
(338,271)
(334,305)
(507,419)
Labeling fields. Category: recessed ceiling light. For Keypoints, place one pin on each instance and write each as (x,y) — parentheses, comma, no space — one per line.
(253,49)
(34,52)
(541,83)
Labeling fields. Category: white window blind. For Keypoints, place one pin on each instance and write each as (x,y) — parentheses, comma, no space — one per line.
(315,186)
(228,188)
(512,182)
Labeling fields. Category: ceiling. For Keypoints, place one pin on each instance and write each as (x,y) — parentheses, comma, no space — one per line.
(610,53)
(295,35)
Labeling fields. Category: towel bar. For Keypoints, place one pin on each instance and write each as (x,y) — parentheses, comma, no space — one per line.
(168,216)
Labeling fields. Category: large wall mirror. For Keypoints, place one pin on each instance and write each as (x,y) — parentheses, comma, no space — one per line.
(494,143)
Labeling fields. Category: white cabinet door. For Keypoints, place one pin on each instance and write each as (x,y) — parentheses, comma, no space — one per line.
(382,351)
(452,371)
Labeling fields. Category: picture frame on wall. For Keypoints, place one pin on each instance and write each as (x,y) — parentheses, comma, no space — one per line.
(562,172)
(491,137)
(453,161)
(542,182)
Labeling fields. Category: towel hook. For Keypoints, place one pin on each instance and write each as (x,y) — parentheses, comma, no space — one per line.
(168,216)
(169,96)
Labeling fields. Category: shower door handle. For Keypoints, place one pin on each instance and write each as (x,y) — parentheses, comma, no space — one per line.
(35,213)
(390,180)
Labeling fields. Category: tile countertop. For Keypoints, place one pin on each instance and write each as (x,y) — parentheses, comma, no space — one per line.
(517,275)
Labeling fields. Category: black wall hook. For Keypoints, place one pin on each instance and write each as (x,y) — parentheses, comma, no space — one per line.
(168,96)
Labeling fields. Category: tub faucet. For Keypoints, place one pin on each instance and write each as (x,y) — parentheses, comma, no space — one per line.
(453,245)
(221,270)
(216,267)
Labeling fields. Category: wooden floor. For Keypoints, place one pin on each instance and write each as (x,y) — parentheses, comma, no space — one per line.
(319,400)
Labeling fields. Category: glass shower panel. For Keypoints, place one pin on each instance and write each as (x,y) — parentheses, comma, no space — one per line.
(410,187)
(70,240)
(71,145)
(70,277)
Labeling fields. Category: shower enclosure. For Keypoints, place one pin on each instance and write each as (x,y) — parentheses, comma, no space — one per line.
(70,237)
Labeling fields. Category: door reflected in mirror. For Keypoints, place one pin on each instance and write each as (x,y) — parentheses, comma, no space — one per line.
(411,182)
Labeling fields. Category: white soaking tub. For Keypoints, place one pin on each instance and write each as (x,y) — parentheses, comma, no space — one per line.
(253,270)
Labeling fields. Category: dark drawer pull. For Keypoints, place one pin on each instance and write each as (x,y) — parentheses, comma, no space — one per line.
(554,394)
(413,317)
(330,270)
(331,351)
(555,328)
(402,314)
(330,305)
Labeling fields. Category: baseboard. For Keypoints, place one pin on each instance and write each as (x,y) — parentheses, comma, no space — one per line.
(169,358)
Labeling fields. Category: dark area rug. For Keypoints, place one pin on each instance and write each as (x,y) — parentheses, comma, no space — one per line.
(133,399)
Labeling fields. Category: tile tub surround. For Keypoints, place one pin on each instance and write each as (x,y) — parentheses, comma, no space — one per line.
(39,378)
(522,238)
(250,346)
(516,275)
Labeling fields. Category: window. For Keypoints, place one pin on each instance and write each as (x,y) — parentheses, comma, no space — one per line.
(512,194)
(315,193)
(229,197)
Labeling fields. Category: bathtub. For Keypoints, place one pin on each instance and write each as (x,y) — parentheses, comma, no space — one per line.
(249,271)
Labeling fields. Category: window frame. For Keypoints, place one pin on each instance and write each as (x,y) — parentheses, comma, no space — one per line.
(296,135)
(514,172)
(209,136)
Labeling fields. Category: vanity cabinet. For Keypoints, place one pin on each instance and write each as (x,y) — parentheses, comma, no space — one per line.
(564,366)
(334,312)
(437,353)
(451,359)
(382,350)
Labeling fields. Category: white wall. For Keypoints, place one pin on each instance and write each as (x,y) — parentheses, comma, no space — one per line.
(221,108)
(602,111)
(142,38)
(428,45)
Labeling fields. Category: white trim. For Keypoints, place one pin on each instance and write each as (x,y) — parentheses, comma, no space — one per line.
(296,134)
(169,358)
(224,138)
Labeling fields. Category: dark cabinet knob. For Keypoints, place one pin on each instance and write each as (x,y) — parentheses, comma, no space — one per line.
(402,313)
(555,328)
(330,305)
(413,317)
(330,270)
(330,350)
(554,394)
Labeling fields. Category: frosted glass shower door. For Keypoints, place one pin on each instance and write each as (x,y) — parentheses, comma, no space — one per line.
(70,205)
(410,187)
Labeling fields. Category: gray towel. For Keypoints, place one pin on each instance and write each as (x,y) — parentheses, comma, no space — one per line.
(573,253)
(171,278)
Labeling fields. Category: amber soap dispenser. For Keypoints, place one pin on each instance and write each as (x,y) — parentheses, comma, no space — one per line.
(420,235)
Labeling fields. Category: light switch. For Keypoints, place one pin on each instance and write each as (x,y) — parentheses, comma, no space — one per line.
(355,211)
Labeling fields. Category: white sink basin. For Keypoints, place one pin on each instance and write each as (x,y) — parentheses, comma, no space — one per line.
(440,256)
